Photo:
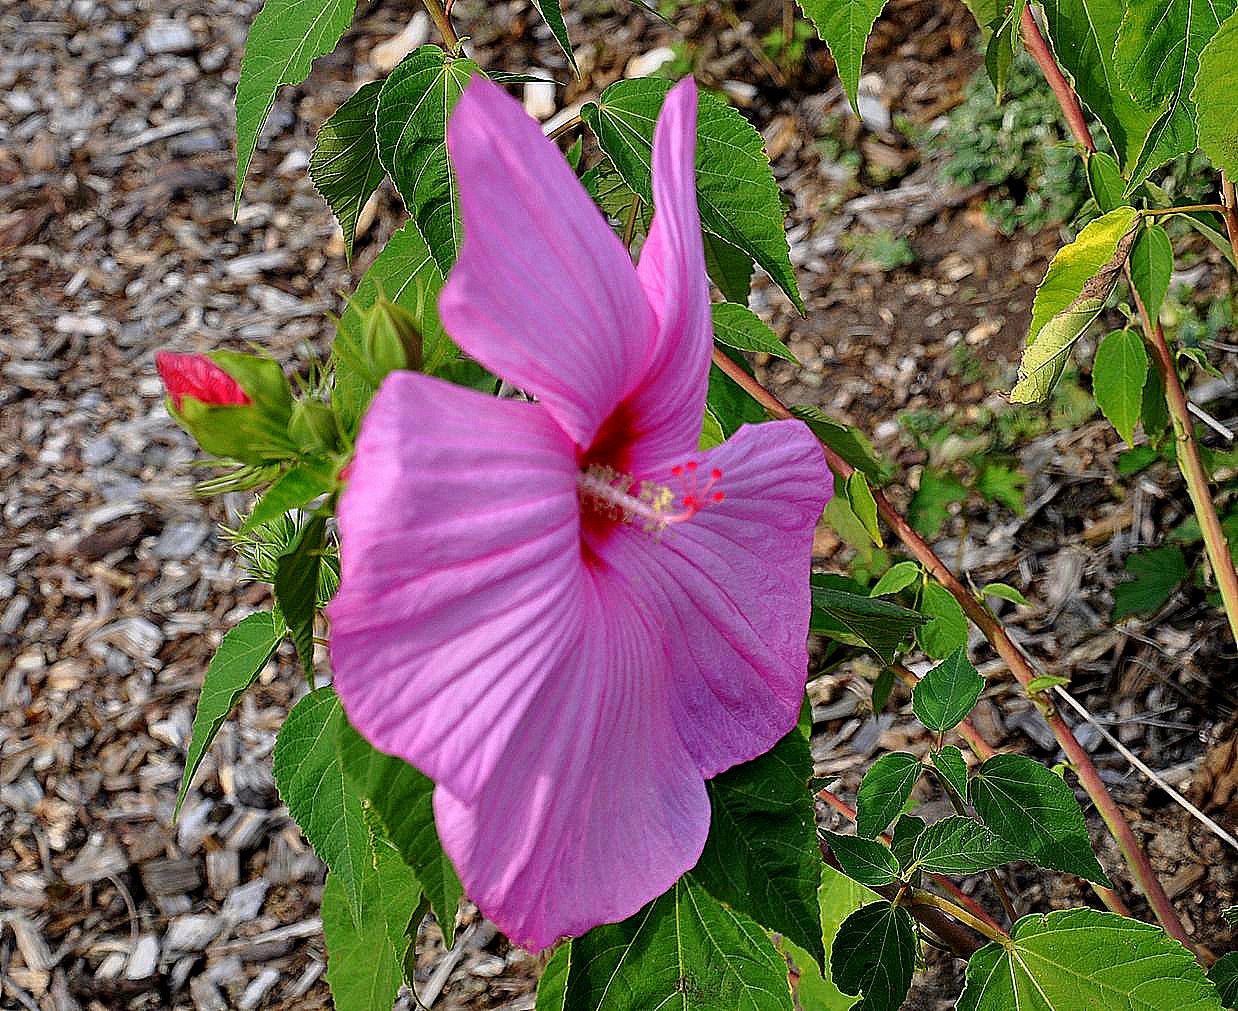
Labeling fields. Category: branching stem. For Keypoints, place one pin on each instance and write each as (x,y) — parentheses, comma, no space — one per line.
(442,21)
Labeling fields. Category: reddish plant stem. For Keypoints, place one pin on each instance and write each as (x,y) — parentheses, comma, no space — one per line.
(1189,460)
(442,21)
(977,910)
(984,619)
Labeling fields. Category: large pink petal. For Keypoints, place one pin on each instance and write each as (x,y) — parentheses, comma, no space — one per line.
(731,585)
(461,574)
(671,399)
(543,293)
(597,807)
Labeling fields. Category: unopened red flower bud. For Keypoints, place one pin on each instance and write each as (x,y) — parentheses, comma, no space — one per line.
(198,377)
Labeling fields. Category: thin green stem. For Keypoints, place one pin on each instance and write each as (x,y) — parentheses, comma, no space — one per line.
(921,897)
(563,128)
(1152,212)
(629,229)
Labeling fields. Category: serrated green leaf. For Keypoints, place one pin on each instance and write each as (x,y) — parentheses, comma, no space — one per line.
(1073,959)
(730,403)
(344,166)
(884,792)
(838,898)
(1003,41)
(1224,976)
(1157,56)
(881,689)
(552,987)
(896,578)
(907,830)
(738,197)
(875,954)
(1037,813)
(1083,34)
(1079,280)
(879,625)
(729,268)
(711,431)
(847,441)
(739,327)
(952,767)
(1215,95)
(413,107)
(406,273)
(244,651)
(930,506)
(552,14)
(365,968)
(1119,372)
(320,798)
(761,857)
(296,488)
(1230,915)
(864,860)
(1157,573)
(684,951)
(957,845)
(402,799)
(946,629)
(1152,266)
(1004,591)
(844,26)
(1154,409)
(1105,180)
(860,498)
(297,575)
(947,693)
(285,39)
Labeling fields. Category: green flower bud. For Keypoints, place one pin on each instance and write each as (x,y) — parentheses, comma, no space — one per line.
(391,338)
(312,426)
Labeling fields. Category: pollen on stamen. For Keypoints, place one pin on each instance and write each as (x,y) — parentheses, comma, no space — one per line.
(651,506)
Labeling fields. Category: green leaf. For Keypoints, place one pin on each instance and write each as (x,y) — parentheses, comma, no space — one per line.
(1119,372)
(1104,178)
(1152,266)
(1082,958)
(844,26)
(738,197)
(847,441)
(903,839)
(860,498)
(946,629)
(947,693)
(897,578)
(1224,975)
(401,796)
(365,953)
(930,506)
(321,800)
(884,791)
(552,987)
(1154,410)
(878,625)
(729,268)
(1215,95)
(881,689)
(730,403)
(683,951)
(295,488)
(1084,33)
(344,166)
(1044,682)
(838,898)
(413,107)
(1003,40)
(952,767)
(285,39)
(244,651)
(1074,290)
(875,954)
(762,857)
(405,273)
(1157,56)
(1037,813)
(552,14)
(739,327)
(864,860)
(957,845)
(1004,591)
(296,587)
(1157,572)
(999,483)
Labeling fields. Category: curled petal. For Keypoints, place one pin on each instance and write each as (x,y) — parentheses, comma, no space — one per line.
(731,586)
(198,377)
(460,583)
(543,293)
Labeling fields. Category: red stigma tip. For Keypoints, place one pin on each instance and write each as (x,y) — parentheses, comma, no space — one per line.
(719,496)
(691,465)
(715,473)
(677,471)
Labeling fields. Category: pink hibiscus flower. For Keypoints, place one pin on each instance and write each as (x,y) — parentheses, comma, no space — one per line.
(198,377)
(562,611)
